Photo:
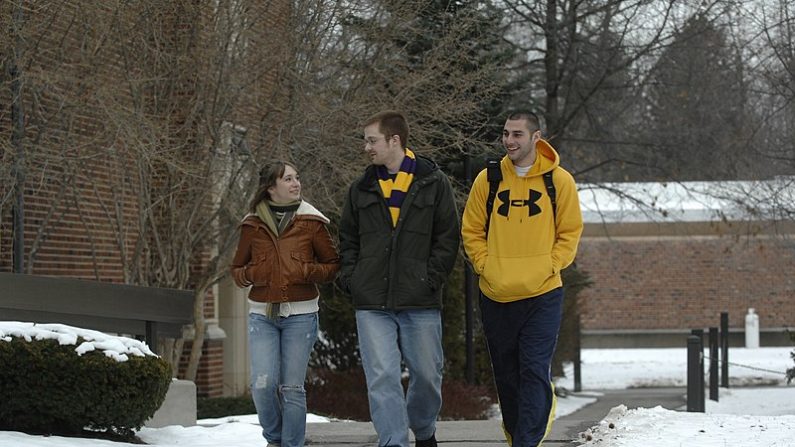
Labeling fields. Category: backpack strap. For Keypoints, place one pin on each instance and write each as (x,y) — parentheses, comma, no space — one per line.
(550,185)
(494,176)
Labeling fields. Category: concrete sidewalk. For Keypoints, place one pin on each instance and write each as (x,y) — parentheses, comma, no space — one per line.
(489,433)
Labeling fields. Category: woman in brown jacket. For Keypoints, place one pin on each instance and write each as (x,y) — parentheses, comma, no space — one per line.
(285,250)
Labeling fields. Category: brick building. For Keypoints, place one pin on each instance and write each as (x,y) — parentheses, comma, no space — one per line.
(105,106)
(668,258)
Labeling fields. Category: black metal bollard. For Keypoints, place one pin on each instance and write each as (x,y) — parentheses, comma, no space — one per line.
(578,358)
(700,334)
(471,295)
(695,374)
(724,346)
(713,364)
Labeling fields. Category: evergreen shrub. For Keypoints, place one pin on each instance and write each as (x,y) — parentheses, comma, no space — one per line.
(47,388)
(218,407)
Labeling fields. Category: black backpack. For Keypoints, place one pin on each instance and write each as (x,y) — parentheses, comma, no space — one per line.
(494,176)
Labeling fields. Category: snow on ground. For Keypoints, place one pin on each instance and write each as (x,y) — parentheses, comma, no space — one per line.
(658,427)
(604,369)
(750,416)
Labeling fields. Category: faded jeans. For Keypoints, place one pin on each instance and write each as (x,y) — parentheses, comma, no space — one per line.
(415,336)
(280,351)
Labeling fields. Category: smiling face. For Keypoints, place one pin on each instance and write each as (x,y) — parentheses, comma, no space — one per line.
(287,188)
(520,141)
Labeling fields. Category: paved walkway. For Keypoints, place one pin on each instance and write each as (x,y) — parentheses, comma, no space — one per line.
(489,433)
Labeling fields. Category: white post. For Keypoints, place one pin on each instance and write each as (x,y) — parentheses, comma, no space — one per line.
(751,329)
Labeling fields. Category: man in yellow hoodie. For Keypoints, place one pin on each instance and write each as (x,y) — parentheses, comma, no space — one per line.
(519,251)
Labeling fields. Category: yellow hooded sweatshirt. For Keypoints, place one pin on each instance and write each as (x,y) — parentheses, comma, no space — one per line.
(525,249)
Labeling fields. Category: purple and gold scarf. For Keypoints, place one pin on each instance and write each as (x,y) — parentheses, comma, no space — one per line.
(395,190)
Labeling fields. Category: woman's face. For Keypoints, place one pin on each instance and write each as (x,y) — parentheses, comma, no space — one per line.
(287,188)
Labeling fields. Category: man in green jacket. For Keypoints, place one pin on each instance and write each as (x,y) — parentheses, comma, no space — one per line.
(399,237)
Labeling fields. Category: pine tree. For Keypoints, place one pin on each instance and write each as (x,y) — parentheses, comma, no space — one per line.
(697,105)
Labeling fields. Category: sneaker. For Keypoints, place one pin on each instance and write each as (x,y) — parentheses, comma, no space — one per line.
(431,442)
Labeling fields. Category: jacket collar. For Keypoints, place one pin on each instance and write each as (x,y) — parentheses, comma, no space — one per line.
(425,167)
(305,211)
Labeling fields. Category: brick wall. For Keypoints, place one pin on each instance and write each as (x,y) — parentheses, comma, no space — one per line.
(70,199)
(209,378)
(81,195)
(684,282)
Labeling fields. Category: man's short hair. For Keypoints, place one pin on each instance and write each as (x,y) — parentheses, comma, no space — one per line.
(533,121)
(391,123)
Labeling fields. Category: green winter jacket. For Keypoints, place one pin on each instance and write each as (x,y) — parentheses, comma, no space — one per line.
(404,267)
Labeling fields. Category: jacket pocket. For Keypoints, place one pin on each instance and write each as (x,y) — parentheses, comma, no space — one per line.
(413,287)
(371,216)
(517,276)
(258,272)
(302,265)
(368,280)
(419,216)
(415,235)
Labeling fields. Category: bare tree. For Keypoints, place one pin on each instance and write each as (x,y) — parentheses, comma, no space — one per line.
(352,59)
(770,27)
(138,113)
(194,136)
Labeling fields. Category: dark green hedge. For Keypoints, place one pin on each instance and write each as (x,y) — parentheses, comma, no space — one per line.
(47,388)
(218,407)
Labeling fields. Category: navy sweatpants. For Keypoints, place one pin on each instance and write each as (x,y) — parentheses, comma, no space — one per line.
(521,337)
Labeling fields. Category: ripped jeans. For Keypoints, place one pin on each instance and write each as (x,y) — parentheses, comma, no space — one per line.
(280,351)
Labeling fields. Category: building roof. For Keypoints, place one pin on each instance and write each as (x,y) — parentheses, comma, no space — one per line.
(688,201)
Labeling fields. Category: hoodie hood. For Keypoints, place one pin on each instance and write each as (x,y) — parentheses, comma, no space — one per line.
(546,160)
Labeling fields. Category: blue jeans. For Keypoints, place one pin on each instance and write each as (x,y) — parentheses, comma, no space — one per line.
(280,351)
(521,336)
(415,336)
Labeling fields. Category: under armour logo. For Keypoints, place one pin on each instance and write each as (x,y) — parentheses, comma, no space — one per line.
(530,203)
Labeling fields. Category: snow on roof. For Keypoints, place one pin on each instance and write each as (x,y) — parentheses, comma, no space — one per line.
(115,347)
(688,201)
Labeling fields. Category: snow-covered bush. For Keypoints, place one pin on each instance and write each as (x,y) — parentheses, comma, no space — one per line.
(76,381)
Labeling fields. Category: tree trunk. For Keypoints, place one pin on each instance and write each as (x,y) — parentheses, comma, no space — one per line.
(17,135)
(198,333)
(551,68)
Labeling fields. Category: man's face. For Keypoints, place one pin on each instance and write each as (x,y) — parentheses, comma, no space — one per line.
(379,147)
(520,142)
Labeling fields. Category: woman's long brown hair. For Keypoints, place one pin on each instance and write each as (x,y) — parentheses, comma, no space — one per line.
(267,178)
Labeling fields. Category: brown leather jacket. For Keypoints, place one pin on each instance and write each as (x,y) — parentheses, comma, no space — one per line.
(286,268)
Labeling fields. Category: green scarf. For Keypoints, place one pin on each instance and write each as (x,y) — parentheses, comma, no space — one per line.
(266,211)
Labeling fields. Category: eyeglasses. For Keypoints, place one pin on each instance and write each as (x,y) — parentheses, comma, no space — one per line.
(371,141)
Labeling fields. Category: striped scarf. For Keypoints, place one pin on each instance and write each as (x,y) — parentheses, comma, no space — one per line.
(395,190)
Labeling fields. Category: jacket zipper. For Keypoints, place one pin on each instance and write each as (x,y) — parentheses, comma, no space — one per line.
(410,195)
